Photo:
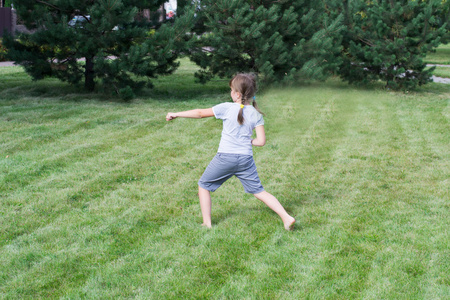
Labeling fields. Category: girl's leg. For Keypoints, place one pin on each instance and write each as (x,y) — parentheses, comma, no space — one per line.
(205,206)
(276,206)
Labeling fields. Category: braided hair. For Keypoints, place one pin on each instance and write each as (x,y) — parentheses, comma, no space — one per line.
(245,84)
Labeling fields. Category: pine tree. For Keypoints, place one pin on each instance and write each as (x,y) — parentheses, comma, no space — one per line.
(119,50)
(444,19)
(388,40)
(280,40)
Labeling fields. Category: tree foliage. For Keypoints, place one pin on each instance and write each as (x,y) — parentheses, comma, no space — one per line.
(119,49)
(361,40)
(444,19)
(388,40)
(281,40)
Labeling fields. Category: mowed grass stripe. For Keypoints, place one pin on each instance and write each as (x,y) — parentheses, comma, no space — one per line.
(312,193)
(69,148)
(426,127)
(181,289)
(25,130)
(367,236)
(157,199)
(307,121)
(321,264)
(85,117)
(406,225)
(293,128)
(56,182)
(246,273)
(388,159)
(77,181)
(352,239)
(108,207)
(355,166)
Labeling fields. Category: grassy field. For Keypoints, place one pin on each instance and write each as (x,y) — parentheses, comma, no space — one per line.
(99,197)
(441,56)
(442,72)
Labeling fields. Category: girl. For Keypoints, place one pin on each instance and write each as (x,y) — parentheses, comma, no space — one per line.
(235,155)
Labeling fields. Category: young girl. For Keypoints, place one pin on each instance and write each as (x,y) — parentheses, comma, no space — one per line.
(235,155)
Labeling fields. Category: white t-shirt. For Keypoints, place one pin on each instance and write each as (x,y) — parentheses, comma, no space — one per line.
(237,139)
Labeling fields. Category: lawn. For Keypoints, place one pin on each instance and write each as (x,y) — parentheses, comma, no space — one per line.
(99,197)
(441,56)
(442,72)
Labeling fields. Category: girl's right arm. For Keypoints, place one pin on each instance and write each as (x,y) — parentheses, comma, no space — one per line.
(195,113)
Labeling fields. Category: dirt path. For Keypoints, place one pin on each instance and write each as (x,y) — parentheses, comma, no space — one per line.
(6,63)
(434,65)
(441,79)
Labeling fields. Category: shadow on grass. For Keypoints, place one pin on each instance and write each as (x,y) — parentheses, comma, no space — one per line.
(377,86)
(169,88)
(173,88)
(182,88)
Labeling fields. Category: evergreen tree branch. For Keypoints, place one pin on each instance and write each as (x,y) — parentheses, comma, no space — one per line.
(50,5)
(367,42)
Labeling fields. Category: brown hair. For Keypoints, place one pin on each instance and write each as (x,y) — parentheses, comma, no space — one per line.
(245,84)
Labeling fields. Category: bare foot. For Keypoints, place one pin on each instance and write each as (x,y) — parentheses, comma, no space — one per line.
(209,226)
(289,225)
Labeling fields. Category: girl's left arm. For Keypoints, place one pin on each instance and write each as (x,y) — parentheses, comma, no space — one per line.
(195,114)
(260,139)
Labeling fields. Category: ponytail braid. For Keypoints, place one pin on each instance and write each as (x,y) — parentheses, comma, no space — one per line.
(255,105)
(240,117)
(245,84)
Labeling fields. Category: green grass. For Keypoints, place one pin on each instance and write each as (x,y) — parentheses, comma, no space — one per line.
(441,56)
(99,197)
(442,72)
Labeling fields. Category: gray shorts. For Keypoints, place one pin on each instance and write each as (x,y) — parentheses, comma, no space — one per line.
(225,165)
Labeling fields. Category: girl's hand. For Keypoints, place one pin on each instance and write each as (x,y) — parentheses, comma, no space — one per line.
(170,116)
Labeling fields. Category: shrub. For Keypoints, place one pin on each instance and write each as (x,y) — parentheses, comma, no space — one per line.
(3,51)
(387,40)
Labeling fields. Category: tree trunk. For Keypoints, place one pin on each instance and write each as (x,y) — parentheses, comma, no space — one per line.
(89,83)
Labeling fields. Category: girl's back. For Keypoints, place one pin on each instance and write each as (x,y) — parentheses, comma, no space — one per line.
(237,138)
